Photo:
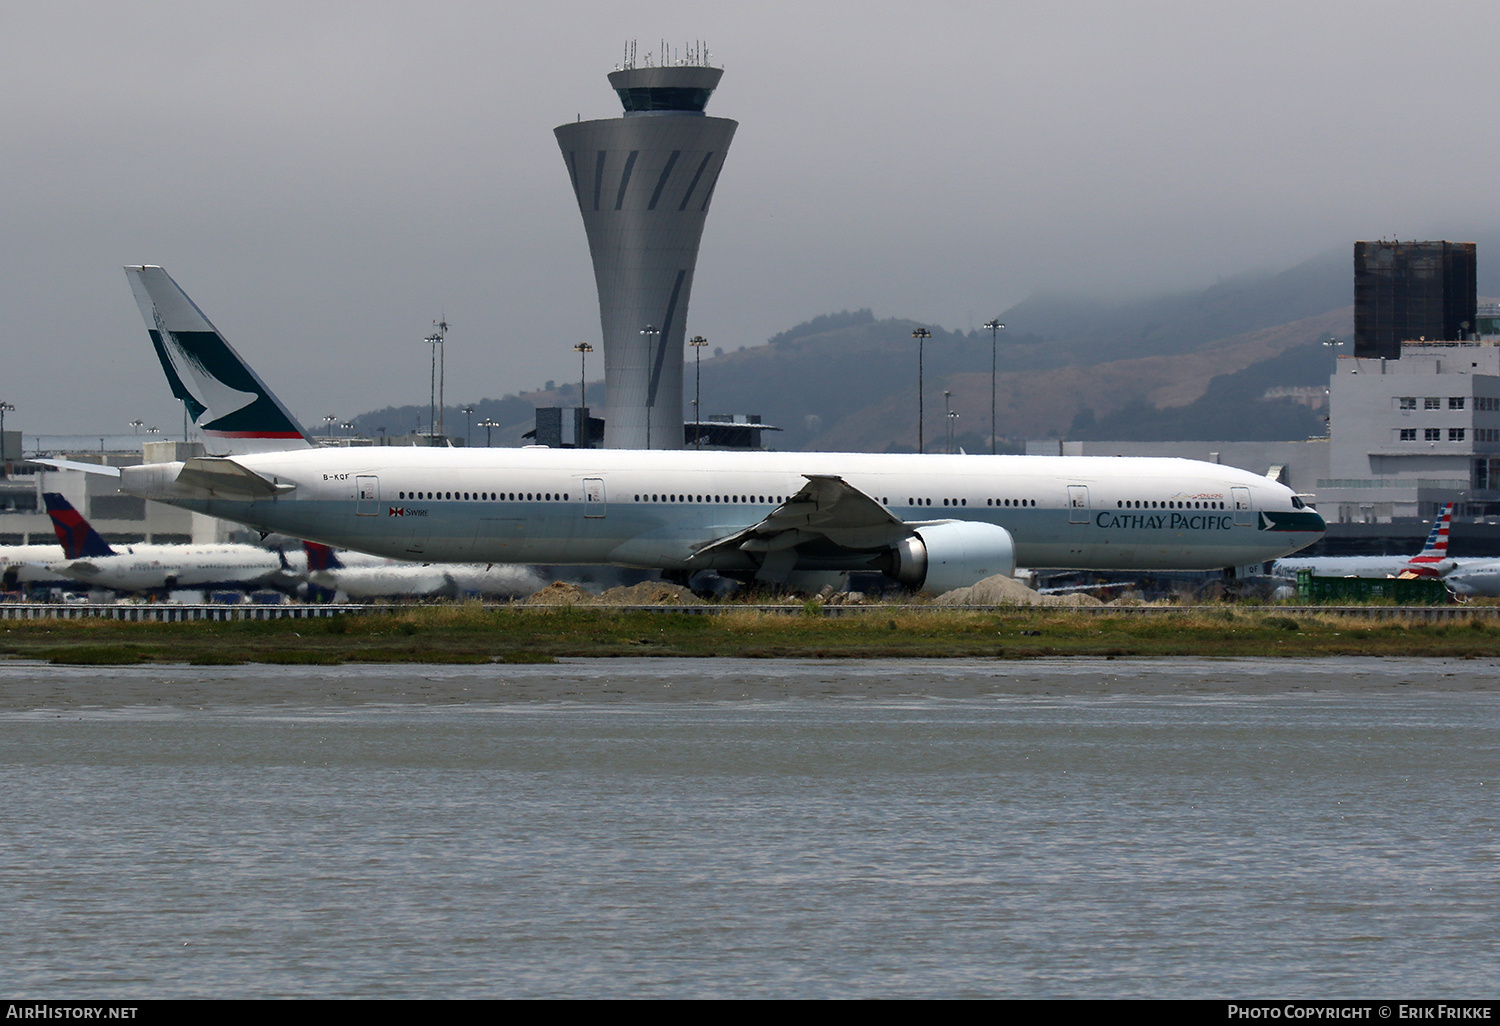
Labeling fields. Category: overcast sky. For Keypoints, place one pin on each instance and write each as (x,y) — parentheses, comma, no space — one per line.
(325,178)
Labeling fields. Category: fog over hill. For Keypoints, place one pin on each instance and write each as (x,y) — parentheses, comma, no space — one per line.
(1185,366)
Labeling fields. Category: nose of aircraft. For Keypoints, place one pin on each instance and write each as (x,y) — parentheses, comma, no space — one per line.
(1304,525)
(1317,523)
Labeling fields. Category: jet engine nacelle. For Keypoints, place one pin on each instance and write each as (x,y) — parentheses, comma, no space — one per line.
(955,554)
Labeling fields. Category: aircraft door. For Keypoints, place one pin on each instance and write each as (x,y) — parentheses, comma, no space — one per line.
(1244,514)
(1078,504)
(593,497)
(367,496)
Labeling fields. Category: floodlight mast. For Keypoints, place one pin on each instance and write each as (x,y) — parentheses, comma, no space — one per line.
(994,327)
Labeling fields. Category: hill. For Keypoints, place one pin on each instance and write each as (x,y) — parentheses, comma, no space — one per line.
(1193,365)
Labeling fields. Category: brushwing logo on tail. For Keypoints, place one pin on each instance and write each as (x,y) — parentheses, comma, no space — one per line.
(209,400)
(224,397)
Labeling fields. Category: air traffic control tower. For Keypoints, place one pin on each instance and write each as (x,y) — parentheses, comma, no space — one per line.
(643,183)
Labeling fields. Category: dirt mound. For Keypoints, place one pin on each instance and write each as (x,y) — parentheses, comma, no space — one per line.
(1003,591)
(651,593)
(561,593)
(1077,598)
(992,591)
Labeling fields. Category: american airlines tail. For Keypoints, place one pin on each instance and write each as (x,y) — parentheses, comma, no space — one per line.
(226,400)
(1433,560)
(77,536)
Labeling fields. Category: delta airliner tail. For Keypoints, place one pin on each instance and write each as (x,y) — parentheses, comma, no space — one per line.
(78,538)
(321,557)
(226,400)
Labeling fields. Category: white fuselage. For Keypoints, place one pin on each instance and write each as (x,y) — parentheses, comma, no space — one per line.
(1357,566)
(1470,576)
(140,568)
(369,577)
(655,508)
(28,564)
(1474,577)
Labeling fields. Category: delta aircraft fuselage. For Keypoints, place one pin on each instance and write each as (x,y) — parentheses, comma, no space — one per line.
(144,568)
(685,510)
(27,564)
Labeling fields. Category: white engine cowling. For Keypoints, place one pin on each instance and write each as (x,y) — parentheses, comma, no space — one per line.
(955,554)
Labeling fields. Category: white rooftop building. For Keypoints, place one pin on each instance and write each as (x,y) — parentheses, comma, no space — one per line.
(1408,435)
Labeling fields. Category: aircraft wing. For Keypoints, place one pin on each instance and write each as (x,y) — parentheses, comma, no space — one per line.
(224,476)
(828,509)
(75,569)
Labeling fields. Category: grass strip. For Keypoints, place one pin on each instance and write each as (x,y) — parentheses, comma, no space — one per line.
(471,634)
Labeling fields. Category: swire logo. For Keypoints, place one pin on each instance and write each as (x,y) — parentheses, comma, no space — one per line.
(403,511)
(398,511)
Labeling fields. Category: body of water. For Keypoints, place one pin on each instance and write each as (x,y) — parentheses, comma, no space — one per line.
(752,828)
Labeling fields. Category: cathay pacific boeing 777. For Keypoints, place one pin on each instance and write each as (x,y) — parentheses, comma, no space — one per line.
(930,522)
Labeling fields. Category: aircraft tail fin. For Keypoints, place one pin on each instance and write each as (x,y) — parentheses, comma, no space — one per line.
(1436,547)
(321,557)
(1433,560)
(227,400)
(76,535)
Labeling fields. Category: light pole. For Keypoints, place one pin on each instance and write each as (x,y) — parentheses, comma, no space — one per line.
(435,386)
(487,424)
(995,327)
(921,335)
(952,424)
(583,349)
(468,431)
(697,342)
(648,333)
(948,420)
(5,452)
(442,337)
(137,424)
(332,420)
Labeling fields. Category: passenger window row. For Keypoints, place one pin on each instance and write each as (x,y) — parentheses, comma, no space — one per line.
(1169,504)
(965,502)
(488,496)
(733,499)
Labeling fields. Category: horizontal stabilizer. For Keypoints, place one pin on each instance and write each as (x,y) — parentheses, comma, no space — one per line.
(87,468)
(221,476)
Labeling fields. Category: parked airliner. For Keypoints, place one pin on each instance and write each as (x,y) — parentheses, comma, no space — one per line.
(360,577)
(930,522)
(88,559)
(27,564)
(1470,577)
(1432,561)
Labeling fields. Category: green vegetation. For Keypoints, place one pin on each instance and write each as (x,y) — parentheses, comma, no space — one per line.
(472,634)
